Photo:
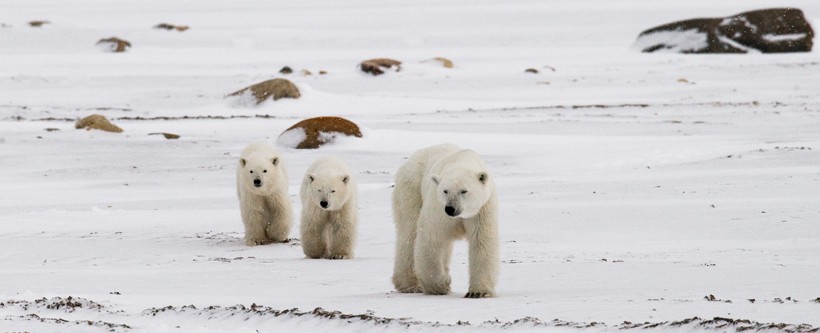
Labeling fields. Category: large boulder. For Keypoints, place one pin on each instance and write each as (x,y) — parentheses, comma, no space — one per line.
(775,30)
(276,89)
(314,132)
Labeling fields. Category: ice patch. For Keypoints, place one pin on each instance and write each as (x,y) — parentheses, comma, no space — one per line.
(673,41)
(292,138)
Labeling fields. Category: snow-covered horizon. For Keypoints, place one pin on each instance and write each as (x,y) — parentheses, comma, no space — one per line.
(632,186)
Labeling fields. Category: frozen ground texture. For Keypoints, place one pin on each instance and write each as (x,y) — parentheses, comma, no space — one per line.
(632,186)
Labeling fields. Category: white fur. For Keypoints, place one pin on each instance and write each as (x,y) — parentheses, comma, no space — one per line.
(425,232)
(266,210)
(329,232)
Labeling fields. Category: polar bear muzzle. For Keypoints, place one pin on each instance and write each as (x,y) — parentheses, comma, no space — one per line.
(452,211)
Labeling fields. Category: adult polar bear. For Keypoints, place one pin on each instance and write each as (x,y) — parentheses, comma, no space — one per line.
(444,193)
(262,186)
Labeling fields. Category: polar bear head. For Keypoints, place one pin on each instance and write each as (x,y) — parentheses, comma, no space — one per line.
(258,173)
(462,192)
(328,192)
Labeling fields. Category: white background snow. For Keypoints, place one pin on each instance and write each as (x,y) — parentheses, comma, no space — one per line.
(631,185)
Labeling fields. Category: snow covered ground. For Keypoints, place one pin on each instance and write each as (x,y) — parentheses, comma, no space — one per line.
(632,186)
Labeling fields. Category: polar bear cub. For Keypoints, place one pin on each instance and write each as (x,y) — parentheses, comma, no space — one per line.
(329,211)
(262,186)
(444,193)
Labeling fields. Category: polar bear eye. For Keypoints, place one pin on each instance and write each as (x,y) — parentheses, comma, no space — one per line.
(463,191)
(251,171)
(445,191)
(264,171)
(332,191)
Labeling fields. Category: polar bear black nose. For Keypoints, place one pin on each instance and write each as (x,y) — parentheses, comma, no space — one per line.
(323,204)
(257,182)
(450,210)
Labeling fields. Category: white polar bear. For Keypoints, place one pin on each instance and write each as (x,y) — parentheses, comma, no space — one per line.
(444,193)
(262,186)
(329,211)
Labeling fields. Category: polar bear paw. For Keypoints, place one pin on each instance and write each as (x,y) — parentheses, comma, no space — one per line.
(478,294)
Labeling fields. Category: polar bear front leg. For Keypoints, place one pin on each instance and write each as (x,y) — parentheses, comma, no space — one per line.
(279,221)
(343,233)
(314,235)
(482,235)
(255,224)
(432,252)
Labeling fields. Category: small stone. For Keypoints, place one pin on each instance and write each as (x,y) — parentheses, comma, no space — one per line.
(375,66)
(531,70)
(37,24)
(286,70)
(115,44)
(275,88)
(168,136)
(97,121)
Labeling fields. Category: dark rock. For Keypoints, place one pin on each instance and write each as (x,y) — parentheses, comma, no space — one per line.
(168,26)
(286,70)
(376,66)
(775,30)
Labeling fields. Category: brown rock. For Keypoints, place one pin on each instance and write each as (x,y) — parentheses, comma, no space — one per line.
(168,136)
(276,88)
(374,66)
(775,30)
(116,44)
(97,121)
(531,70)
(167,26)
(37,24)
(314,132)
(322,72)
(286,70)
(447,63)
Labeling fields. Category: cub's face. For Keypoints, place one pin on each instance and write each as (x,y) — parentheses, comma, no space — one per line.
(258,173)
(328,192)
(462,193)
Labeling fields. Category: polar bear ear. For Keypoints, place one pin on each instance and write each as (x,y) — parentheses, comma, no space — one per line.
(242,162)
(435,179)
(275,161)
(310,176)
(482,177)
(345,179)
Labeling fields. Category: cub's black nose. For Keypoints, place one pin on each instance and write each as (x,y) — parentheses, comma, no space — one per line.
(323,204)
(450,211)
(257,182)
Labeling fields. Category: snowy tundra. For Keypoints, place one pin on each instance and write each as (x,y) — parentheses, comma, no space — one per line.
(636,191)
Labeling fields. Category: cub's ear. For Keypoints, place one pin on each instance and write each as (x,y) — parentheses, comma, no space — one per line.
(275,161)
(345,179)
(482,177)
(435,179)
(310,176)
(242,162)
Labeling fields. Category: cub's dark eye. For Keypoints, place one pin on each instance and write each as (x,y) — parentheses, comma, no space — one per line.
(264,171)
(445,191)
(463,191)
(251,171)
(332,191)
